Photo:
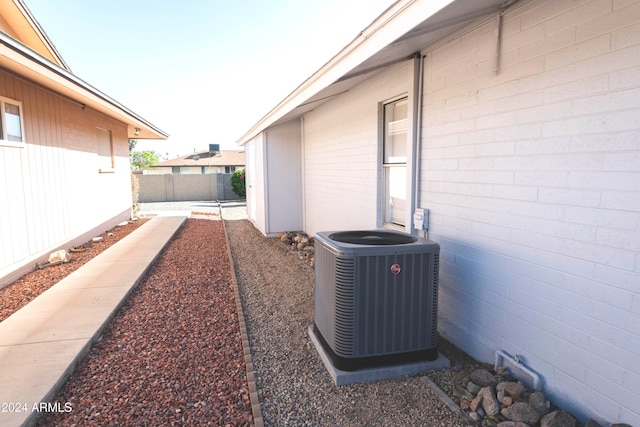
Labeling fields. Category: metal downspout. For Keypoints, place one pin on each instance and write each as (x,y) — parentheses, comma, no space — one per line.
(417,133)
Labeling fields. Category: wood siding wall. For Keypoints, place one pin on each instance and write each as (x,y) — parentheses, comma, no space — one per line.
(283,157)
(51,190)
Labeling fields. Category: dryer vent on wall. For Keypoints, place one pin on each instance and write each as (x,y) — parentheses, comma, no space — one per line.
(376,298)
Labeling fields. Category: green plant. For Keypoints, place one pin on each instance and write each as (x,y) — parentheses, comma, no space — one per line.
(238,184)
(143,160)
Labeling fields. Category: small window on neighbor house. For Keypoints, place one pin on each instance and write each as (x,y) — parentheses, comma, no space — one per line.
(229,169)
(105,150)
(11,132)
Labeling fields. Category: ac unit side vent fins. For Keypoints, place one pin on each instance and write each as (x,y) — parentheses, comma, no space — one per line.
(344,298)
(434,298)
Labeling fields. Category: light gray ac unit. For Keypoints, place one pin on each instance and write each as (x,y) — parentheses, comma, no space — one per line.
(376,298)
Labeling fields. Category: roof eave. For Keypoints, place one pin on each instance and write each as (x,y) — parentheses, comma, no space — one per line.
(35,25)
(397,35)
(389,26)
(27,63)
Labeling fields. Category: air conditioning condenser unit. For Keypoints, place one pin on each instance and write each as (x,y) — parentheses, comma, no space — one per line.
(376,298)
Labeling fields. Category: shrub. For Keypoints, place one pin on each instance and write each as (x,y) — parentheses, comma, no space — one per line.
(238,183)
(135,194)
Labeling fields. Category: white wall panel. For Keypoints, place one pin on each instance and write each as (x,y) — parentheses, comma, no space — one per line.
(284,177)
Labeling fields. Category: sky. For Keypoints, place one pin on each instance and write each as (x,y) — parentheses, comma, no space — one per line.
(204,71)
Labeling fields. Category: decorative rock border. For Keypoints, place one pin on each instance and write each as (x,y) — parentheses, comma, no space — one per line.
(300,245)
(256,409)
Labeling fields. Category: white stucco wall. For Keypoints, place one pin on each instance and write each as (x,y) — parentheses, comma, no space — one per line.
(274,179)
(255,182)
(532,178)
(341,154)
(284,171)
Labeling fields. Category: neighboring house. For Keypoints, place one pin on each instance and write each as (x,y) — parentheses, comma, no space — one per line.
(64,153)
(517,124)
(219,161)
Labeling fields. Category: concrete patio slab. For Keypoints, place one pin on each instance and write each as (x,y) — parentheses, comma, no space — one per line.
(41,343)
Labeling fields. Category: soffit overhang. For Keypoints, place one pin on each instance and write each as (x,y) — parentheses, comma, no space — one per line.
(27,64)
(26,29)
(404,29)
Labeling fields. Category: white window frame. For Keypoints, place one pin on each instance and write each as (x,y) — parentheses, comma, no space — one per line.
(4,140)
(386,168)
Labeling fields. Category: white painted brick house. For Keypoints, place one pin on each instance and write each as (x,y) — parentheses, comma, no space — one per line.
(522,137)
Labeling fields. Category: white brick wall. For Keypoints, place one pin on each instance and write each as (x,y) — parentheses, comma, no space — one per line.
(532,177)
(341,155)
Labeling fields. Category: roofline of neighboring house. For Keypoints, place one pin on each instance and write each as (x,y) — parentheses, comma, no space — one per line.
(26,63)
(41,34)
(386,28)
(183,165)
(203,161)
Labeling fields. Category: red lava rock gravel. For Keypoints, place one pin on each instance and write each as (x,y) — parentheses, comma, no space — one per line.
(173,354)
(28,287)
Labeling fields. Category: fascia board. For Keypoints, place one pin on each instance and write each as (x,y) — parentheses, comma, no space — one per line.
(26,63)
(400,18)
(44,39)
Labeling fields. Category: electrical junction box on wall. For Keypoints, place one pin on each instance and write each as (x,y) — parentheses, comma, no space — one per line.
(421,219)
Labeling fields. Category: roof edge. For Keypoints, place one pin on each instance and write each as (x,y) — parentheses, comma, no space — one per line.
(48,70)
(46,41)
(387,27)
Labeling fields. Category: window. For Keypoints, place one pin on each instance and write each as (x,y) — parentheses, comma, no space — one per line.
(11,133)
(105,150)
(394,162)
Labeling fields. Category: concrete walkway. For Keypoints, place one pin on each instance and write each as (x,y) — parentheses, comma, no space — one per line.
(41,343)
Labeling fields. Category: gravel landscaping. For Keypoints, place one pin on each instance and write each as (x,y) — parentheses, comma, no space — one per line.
(294,387)
(173,354)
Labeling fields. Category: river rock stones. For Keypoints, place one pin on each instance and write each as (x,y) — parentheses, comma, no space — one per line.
(59,257)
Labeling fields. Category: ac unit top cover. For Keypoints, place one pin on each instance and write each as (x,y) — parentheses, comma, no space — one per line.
(374,242)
